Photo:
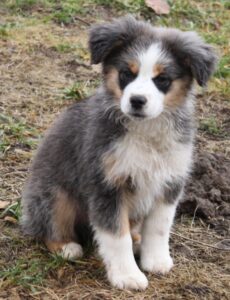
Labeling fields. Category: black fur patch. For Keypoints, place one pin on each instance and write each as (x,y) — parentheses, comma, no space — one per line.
(125,77)
(163,83)
(172,190)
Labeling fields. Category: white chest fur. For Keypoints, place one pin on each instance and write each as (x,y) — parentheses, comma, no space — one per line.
(150,161)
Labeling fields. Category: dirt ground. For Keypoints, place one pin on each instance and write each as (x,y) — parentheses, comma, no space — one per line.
(44,67)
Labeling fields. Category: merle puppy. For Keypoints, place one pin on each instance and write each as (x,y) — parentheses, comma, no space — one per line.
(120,158)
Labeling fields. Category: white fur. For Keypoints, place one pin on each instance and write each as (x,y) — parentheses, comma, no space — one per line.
(149,155)
(155,256)
(144,86)
(117,254)
(71,251)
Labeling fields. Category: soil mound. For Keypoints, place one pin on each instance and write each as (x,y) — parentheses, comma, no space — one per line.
(207,194)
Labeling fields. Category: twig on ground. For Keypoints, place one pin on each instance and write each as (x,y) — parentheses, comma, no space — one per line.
(83,21)
(198,242)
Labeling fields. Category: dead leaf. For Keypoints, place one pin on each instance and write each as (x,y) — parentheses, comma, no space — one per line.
(4,204)
(10,220)
(23,153)
(60,273)
(160,7)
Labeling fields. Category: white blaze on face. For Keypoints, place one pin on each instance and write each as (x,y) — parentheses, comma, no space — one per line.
(143,85)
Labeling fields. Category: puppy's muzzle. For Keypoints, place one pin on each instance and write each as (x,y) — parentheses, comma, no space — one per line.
(138,102)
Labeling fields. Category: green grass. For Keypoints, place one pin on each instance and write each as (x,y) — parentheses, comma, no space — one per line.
(130,6)
(210,18)
(210,126)
(3,32)
(27,265)
(32,271)
(66,12)
(13,210)
(224,68)
(14,132)
(23,6)
(5,29)
(80,89)
(77,91)
(64,48)
(62,11)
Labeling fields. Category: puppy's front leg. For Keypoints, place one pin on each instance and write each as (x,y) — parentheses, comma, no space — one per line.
(155,256)
(122,270)
(112,233)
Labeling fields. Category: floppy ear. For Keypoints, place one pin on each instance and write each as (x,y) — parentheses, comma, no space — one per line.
(196,55)
(104,38)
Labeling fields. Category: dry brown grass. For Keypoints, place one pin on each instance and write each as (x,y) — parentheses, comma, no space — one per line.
(200,272)
(39,60)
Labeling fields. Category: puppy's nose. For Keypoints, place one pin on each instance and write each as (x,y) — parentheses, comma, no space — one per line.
(138,102)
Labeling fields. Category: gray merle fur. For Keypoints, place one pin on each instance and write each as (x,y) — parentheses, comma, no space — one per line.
(70,156)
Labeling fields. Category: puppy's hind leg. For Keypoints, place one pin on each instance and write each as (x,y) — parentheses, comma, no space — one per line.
(63,238)
(68,250)
(50,215)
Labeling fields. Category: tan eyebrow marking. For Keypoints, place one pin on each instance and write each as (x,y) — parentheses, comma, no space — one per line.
(157,69)
(134,67)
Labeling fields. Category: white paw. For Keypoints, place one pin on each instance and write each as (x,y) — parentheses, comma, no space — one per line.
(160,265)
(130,281)
(71,251)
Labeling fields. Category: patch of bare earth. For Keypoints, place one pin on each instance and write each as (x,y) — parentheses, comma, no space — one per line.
(33,75)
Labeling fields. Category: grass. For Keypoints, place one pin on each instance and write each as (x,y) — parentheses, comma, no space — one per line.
(66,12)
(209,18)
(210,126)
(15,133)
(24,275)
(3,32)
(13,210)
(64,48)
(44,59)
(24,6)
(80,90)
(29,272)
(223,71)
(76,92)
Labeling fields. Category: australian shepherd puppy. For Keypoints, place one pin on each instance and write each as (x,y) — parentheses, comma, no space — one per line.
(121,157)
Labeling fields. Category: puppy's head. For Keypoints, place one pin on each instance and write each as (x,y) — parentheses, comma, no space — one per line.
(149,69)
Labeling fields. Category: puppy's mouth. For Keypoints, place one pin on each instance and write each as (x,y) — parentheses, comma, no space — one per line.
(137,115)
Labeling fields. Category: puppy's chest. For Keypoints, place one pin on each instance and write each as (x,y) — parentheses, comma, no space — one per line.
(147,163)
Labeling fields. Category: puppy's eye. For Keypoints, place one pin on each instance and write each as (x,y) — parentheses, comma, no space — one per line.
(125,77)
(163,82)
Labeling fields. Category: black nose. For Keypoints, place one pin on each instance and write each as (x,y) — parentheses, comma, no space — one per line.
(138,102)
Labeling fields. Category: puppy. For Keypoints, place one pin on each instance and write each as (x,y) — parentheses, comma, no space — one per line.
(122,156)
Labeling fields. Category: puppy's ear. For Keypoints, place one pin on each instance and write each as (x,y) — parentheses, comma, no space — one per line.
(104,38)
(195,54)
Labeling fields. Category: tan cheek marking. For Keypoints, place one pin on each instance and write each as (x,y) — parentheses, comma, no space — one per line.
(157,70)
(134,67)
(112,83)
(177,93)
